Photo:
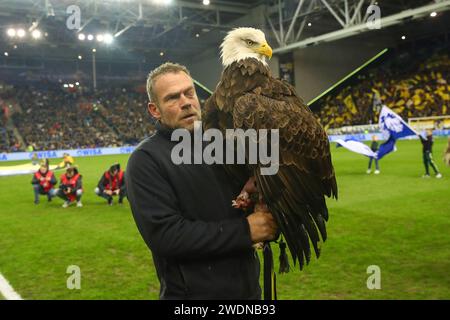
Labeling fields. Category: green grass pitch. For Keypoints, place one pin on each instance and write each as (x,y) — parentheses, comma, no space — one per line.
(396,220)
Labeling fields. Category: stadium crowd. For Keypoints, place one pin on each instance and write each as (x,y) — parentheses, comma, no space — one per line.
(125,110)
(50,117)
(8,141)
(410,86)
(53,118)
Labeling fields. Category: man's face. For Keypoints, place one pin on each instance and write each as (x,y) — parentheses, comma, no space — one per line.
(43,170)
(176,104)
(114,172)
(69,174)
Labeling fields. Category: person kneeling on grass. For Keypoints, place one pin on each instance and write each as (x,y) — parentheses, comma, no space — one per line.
(43,182)
(71,187)
(112,183)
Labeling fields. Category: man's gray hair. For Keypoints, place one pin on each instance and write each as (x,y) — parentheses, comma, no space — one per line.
(168,67)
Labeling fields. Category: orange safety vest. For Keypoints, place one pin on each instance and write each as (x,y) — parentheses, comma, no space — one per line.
(45,184)
(113,182)
(72,182)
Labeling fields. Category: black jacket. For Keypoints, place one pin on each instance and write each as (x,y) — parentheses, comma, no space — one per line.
(374,146)
(201,246)
(427,144)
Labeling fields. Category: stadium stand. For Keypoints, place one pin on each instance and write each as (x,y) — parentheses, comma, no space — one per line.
(412,83)
(51,118)
(125,111)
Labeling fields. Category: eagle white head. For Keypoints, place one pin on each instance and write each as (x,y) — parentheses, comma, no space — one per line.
(242,43)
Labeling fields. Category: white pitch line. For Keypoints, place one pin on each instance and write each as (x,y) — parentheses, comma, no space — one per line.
(7,291)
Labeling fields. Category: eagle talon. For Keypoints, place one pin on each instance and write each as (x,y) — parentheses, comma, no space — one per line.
(242,201)
(258,246)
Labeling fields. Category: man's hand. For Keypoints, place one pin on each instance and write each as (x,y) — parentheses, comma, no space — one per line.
(262,226)
(117,191)
(108,192)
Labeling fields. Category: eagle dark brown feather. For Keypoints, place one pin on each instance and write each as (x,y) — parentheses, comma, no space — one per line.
(248,97)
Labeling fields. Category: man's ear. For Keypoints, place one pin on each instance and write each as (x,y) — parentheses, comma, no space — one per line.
(154,110)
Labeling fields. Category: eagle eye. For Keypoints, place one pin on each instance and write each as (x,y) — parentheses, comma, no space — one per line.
(249,42)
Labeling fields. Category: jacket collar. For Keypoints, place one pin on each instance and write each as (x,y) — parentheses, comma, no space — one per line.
(166,131)
(163,130)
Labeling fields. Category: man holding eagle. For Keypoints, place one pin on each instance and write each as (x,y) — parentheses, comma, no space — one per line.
(201,245)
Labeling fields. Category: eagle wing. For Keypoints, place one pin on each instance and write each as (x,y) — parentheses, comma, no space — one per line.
(294,195)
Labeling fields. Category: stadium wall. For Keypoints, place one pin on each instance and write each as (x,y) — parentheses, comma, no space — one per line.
(319,67)
(209,69)
(14,156)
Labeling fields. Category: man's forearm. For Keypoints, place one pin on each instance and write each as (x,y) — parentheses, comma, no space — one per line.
(182,238)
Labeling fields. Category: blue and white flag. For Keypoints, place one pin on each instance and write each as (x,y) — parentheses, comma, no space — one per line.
(393,125)
(356,146)
(386,147)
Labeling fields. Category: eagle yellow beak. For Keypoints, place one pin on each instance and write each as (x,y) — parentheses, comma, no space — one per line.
(265,50)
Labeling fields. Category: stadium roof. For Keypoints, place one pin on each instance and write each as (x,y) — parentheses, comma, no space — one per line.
(139,27)
(146,32)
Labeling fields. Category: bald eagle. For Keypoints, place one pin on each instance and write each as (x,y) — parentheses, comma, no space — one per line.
(248,97)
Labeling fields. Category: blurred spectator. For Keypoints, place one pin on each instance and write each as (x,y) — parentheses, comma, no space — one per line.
(68,161)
